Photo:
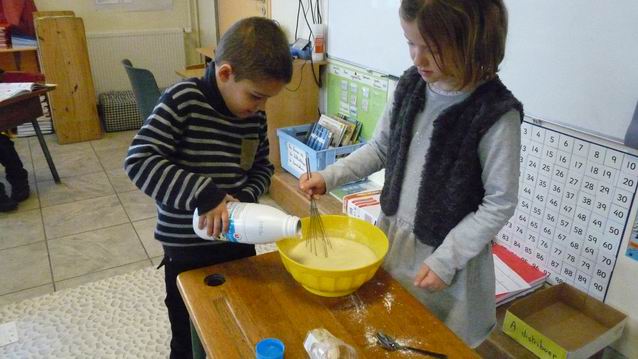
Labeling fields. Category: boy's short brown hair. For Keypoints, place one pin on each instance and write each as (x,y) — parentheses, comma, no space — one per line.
(257,50)
(467,35)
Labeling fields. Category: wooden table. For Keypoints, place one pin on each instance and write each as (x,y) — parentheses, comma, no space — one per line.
(24,108)
(259,299)
(284,191)
(191,72)
(208,52)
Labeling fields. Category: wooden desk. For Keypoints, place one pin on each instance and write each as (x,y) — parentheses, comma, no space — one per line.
(208,52)
(189,72)
(259,299)
(284,191)
(20,109)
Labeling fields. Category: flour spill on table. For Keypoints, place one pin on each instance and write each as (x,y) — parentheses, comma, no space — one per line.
(388,300)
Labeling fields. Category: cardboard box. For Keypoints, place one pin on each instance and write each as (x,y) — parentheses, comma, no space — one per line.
(366,207)
(563,322)
(347,199)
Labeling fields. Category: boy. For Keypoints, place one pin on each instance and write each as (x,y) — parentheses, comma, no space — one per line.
(205,144)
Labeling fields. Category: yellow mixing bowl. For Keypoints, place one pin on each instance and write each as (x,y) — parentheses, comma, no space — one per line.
(337,283)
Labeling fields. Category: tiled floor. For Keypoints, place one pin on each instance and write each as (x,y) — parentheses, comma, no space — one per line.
(93,225)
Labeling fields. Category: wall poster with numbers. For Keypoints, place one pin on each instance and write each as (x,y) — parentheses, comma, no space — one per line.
(575,199)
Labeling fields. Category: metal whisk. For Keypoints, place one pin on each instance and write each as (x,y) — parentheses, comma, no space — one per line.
(316,234)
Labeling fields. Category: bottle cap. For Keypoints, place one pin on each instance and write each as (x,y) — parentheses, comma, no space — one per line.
(270,348)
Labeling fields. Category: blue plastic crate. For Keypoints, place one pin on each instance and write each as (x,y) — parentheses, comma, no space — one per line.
(294,151)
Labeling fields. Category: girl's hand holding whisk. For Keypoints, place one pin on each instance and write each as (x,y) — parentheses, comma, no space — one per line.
(314,187)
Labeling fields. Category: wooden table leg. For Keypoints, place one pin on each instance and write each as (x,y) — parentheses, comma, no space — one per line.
(45,149)
(198,348)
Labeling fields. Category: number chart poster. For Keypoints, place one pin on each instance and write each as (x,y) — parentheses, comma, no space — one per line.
(575,199)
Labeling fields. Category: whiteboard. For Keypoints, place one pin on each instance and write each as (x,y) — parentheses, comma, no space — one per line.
(367,33)
(575,62)
(571,62)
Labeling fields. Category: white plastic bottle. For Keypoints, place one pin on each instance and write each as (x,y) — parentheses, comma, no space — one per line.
(254,223)
(319,43)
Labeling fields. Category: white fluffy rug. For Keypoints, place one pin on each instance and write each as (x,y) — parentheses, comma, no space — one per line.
(118,317)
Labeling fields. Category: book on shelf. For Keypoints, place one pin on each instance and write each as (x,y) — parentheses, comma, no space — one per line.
(19,40)
(332,132)
(336,127)
(46,126)
(353,187)
(319,137)
(514,276)
(5,35)
(348,135)
(13,89)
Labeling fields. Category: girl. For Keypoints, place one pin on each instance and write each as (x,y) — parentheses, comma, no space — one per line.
(449,144)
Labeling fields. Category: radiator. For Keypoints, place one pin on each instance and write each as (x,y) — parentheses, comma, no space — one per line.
(160,51)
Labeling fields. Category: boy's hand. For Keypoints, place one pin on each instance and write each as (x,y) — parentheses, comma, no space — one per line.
(314,186)
(427,279)
(216,220)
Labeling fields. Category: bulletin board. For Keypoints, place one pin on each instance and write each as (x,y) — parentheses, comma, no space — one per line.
(357,93)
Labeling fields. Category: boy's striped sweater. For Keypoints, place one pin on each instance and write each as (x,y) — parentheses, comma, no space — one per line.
(190,153)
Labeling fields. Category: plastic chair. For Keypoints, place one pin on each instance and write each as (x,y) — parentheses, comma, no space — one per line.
(144,87)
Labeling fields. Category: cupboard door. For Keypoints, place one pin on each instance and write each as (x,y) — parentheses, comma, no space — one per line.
(230,11)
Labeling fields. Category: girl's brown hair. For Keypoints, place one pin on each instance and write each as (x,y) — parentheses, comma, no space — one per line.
(467,36)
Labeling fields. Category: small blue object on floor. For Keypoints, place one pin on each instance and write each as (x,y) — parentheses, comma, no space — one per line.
(270,348)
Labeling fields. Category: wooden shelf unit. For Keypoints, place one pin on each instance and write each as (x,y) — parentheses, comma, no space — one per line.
(19,59)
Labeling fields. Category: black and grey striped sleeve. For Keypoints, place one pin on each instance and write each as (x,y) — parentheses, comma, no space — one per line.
(148,163)
(262,170)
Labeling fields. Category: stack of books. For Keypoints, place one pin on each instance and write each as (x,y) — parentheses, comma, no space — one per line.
(5,36)
(514,276)
(354,187)
(333,132)
(46,126)
(19,40)
(319,137)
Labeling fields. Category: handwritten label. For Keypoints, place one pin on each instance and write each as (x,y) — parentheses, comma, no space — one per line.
(530,338)
(296,159)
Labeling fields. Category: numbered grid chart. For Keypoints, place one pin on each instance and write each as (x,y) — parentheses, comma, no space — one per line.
(575,197)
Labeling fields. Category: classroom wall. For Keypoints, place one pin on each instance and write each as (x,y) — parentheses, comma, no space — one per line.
(207,23)
(285,12)
(119,20)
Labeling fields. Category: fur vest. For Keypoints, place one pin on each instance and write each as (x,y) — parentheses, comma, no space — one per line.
(451,186)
